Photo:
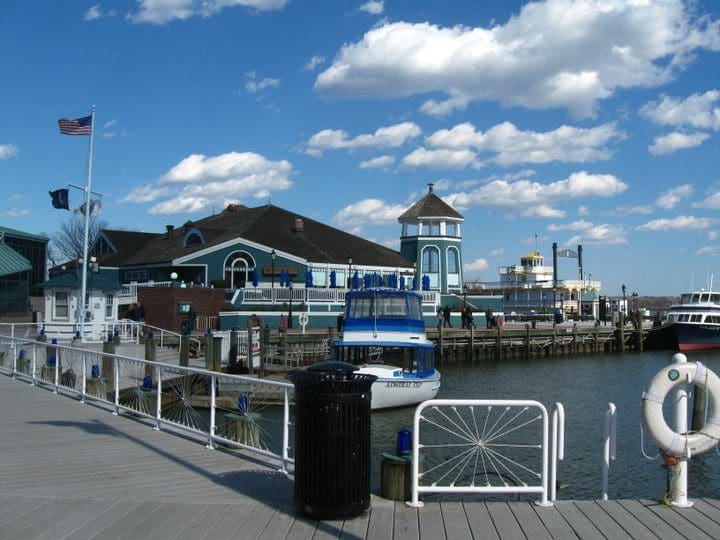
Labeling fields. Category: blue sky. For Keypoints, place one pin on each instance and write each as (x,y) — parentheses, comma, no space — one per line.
(582,122)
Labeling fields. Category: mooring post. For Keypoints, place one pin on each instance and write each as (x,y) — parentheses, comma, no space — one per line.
(678,488)
(621,318)
(527,341)
(575,339)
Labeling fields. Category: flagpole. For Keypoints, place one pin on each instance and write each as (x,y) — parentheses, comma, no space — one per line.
(88,187)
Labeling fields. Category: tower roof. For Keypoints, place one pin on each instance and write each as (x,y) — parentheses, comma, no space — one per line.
(430,206)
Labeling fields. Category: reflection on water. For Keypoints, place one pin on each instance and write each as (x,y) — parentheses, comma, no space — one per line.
(584,385)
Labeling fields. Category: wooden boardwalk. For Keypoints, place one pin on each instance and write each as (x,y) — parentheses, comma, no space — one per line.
(70,470)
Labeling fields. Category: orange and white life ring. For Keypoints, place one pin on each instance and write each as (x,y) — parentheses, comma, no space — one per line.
(670,442)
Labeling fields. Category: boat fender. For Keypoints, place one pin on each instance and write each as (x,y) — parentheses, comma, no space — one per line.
(303,318)
(670,442)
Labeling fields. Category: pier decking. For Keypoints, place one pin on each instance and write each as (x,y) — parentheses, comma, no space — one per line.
(71,470)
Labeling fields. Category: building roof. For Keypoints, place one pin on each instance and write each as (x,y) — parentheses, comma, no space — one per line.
(125,244)
(11,262)
(20,234)
(430,206)
(269,226)
(71,279)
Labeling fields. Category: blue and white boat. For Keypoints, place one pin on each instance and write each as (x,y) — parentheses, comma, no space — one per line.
(694,323)
(384,335)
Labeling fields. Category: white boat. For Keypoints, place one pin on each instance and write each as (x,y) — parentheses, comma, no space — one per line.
(384,335)
(694,323)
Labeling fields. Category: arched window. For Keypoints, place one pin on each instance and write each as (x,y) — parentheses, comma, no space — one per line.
(193,237)
(453,267)
(431,265)
(237,269)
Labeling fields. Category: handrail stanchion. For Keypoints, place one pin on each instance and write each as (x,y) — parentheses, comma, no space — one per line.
(415,501)
(558,446)
(609,445)
(83,387)
(116,367)
(13,353)
(286,429)
(211,434)
(57,370)
(158,403)
(678,487)
(33,363)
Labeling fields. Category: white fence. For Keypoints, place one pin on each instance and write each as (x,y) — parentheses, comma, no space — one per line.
(233,410)
(481,446)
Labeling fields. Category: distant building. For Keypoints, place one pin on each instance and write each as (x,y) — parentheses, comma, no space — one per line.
(22,267)
(528,288)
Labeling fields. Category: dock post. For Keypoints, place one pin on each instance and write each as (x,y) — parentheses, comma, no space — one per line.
(640,336)
(108,370)
(621,318)
(441,343)
(232,359)
(150,353)
(575,340)
(498,344)
(217,353)
(184,351)
(209,352)
(527,341)
(554,340)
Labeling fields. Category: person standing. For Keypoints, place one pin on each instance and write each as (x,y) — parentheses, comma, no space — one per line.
(446,316)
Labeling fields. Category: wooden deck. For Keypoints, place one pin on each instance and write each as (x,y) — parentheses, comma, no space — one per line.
(71,470)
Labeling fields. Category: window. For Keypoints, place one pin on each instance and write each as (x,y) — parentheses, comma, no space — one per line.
(61,304)
(451,229)
(431,266)
(136,275)
(109,299)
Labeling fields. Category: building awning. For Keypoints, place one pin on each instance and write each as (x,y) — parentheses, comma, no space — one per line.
(11,262)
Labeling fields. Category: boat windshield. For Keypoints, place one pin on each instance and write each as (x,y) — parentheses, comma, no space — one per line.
(391,306)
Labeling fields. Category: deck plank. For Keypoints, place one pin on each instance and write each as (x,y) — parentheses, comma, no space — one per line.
(642,513)
(102,521)
(77,519)
(382,520)
(602,520)
(529,521)
(479,520)
(356,527)
(556,526)
(504,520)
(40,522)
(455,519)
(629,523)
(678,520)
(407,524)
(430,520)
(580,524)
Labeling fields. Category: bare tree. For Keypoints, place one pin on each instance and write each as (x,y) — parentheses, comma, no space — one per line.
(67,242)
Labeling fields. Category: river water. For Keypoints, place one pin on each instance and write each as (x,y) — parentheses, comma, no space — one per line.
(584,385)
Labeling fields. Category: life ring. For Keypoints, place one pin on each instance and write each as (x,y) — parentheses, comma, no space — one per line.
(303,318)
(670,442)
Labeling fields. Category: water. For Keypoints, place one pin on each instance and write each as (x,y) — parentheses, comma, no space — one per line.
(584,385)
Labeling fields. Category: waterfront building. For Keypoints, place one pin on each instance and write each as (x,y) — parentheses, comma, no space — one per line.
(22,267)
(529,288)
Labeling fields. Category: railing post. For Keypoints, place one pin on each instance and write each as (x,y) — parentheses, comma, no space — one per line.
(286,429)
(211,434)
(558,448)
(678,488)
(116,389)
(608,446)
(158,401)
(83,387)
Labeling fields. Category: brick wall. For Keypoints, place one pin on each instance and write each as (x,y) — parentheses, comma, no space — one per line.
(161,304)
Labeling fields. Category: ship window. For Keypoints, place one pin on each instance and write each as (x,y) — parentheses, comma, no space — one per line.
(391,306)
(360,307)
(683,317)
(671,318)
(685,299)
(415,308)
(696,318)
(715,298)
(705,297)
(695,298)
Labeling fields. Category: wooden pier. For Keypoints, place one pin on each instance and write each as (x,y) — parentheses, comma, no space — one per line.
(73,470)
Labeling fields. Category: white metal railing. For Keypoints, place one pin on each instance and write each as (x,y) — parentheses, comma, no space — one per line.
(609,446)
(233,410)
(480,446)
(21,330)
(558,446)
(309,295)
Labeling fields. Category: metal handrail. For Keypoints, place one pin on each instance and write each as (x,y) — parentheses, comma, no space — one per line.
(609,446)
(41,371)
(558,446)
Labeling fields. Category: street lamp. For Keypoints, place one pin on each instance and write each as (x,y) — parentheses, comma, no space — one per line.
(272,275)
(623,288)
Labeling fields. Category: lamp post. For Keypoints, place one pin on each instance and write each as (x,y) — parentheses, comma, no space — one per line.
(349,279)
(272,271)
(623,288)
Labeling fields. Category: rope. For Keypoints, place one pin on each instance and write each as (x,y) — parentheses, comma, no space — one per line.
(642,446)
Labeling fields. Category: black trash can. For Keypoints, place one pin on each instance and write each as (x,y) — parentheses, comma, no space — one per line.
(332,440)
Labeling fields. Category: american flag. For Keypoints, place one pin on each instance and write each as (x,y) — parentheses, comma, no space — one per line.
(79,126)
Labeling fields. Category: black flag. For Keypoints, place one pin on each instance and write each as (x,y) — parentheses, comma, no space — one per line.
(60,199)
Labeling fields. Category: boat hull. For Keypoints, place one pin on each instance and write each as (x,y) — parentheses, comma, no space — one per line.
(697,337)
(392,392)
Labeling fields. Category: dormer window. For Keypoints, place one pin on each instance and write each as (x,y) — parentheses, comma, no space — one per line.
(193,238)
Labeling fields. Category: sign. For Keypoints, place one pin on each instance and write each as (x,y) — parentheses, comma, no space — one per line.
(255,346)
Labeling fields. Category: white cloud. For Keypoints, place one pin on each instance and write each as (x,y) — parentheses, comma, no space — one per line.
(163,11)
(512,146)
(698,111)
(439,109)
(591,233)
(679,223)
(441,159)
(478,265)
(711,200)
(253,85)
(8,151)
(542,211)
(377,163)
(384,137)
(713,251)
(200,182)
(368,211)
(374,7)
(95,12)
(667,144)
(525,196)
(579,225)
(712,235)
(551,54)
(672,197)
(314,62)
(17,212)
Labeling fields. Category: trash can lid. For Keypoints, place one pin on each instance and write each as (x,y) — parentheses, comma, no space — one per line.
(330,371)
(332,366)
